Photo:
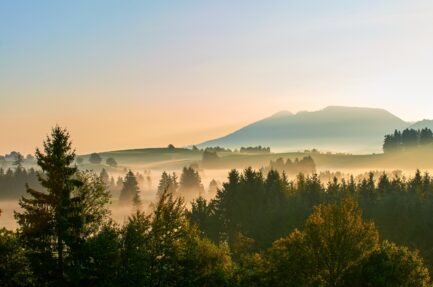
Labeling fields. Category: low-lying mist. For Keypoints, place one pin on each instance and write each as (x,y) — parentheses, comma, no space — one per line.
(211,180)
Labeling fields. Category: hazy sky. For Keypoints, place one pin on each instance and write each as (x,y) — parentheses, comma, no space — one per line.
(124,74)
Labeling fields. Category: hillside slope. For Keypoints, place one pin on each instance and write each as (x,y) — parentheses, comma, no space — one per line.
(342,129)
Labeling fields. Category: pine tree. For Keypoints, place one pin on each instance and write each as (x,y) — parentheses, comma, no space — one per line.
(167,183)
(19,160)
(164,182)
(130,189)
(190,184)
(45,219)
(104,177)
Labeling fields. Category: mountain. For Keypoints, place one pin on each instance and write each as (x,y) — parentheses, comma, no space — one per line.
(422,124)
(335,128)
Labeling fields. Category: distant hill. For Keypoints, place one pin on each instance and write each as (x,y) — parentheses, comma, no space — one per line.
(422,124)
(340,129)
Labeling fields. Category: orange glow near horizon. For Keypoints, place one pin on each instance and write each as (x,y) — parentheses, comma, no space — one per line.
(143,74)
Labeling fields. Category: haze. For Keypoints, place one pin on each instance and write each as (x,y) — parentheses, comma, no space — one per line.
(139,74)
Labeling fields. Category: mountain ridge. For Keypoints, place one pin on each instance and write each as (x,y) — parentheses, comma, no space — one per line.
(334,128)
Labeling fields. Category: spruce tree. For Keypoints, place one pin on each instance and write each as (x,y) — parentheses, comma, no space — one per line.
(190,184)
(129,190)
(45,219)
(167,183)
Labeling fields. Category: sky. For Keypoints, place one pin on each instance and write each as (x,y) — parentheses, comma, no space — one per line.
(133,74)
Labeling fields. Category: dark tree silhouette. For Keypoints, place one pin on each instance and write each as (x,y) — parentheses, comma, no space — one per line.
(190,184)
(111,162)
(95,158)
(167,183)
(407,139)
(130,189)
(47,217)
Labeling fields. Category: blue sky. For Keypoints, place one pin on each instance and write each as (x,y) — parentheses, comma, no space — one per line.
(123,74)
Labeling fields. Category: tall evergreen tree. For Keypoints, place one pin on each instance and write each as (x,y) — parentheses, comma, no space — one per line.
(426,136)
(190,184)
(167,182)
(104,177)
(130,189)
(45,219)
(19,160)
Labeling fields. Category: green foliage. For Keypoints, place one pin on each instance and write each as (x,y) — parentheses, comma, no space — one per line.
(400,207)
(391,265)
(48,219)
(91,204)
(206,264)
(163,249)
(248,204)
(136,254)
(102,253)
(334,239)
(14,266)
(286,263)
(54,224)
(335,248)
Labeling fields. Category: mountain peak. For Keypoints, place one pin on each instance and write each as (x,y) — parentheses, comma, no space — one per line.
(282,114)
(338,128)
(348,108)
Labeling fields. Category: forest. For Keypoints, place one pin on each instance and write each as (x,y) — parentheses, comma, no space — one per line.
(407,139)
(260,228)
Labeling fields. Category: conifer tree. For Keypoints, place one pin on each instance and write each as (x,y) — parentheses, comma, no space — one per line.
(19,160)
(167,183)
(104,177)
(45,219)
(190,184)
(130,189)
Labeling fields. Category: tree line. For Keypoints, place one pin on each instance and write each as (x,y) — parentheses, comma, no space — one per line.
(258,231)
(95,158)
(251,149)
(406,139)
(261,208)
(13,182)
(306,165)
